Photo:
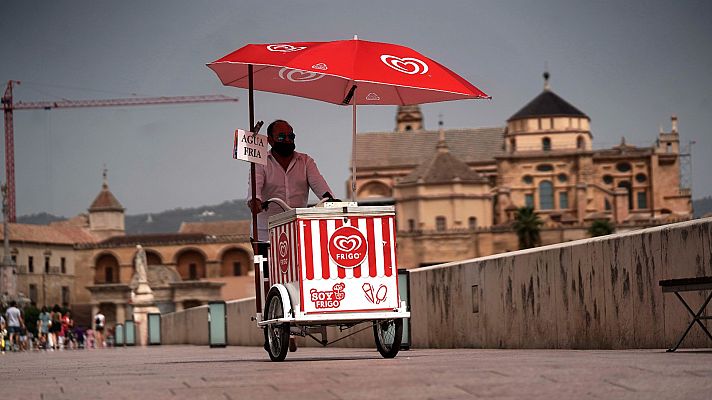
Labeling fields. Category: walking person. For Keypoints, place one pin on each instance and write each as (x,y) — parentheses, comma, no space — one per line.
(43,322)
(14,324)
(99,321)
(55,327)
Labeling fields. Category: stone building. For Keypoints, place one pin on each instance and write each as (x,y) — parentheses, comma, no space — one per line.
(456,191)
(87,263)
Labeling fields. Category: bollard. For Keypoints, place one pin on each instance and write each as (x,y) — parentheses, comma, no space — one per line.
(119,335)
(129,333)
(154,329)
(217,324)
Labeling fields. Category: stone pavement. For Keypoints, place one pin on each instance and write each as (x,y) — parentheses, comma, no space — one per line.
(192,372)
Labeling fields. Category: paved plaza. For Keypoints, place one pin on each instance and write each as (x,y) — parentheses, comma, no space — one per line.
(192,372)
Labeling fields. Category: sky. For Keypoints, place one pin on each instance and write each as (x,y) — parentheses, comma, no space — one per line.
(628,65)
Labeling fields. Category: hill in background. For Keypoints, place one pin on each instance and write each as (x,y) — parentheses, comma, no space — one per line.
(169,221)
(166,221)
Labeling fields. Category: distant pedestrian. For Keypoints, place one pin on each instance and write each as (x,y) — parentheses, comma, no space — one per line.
(43,322)
(55,327)
(79,333)
(68,331)
(99,322)
(14,324)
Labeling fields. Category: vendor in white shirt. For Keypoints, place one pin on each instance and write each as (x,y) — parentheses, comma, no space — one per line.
(288,176)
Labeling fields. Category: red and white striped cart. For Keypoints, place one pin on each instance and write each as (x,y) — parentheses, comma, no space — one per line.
(332,265)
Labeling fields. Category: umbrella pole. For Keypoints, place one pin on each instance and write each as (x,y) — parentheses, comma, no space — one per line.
(353,148)
(255,245)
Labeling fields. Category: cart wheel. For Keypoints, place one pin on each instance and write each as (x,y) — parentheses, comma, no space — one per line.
(276,335)
(388,336)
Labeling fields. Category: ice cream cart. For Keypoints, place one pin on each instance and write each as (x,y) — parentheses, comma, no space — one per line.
(335,264)
(332,265)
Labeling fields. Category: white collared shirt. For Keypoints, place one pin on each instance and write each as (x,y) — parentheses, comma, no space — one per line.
(291,185)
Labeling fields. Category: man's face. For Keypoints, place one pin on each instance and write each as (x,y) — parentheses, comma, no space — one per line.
(282,133)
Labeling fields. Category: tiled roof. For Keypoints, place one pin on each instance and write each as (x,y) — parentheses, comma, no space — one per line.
(442,167)
(217,228)
(547,104)
(408,149)
(105,201)
(154,239)
(55,234)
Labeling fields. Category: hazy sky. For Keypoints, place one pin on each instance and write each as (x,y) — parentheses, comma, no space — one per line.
(628,65)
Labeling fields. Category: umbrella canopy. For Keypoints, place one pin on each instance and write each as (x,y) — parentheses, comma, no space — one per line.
(385,74)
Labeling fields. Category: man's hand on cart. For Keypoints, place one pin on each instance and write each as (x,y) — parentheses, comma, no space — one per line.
(256,206)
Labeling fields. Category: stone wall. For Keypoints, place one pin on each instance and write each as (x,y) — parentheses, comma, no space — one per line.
(599,293)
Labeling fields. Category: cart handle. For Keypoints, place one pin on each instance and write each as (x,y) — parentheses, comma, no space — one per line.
(279,202)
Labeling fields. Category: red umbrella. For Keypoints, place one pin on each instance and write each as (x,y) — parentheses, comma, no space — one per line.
(341,72)
(384,73)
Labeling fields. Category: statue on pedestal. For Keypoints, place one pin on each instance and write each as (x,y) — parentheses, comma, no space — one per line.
(141,264)
(142,300)
(144,294)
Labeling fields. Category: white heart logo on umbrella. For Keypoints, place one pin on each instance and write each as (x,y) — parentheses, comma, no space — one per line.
(407,65)
(284,48)
(298,76)
(347,243)
(283,249)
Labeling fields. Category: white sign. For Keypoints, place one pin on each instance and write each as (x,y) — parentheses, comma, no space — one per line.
(250,147)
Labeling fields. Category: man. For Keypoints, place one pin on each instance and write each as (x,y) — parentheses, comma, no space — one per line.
(99,321)
(14,324)
(288,176)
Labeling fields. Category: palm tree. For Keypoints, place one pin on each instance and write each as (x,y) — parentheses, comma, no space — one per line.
(601,227)
(527,224)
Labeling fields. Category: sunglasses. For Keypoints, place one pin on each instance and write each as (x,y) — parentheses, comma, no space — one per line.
(281,137)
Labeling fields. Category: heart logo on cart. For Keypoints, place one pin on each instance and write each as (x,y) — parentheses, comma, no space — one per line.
(348,247)
(283,253)
(344,243)
(299,76)
(406,65)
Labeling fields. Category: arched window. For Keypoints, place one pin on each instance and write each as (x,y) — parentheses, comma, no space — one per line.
(546,144)
(472,223)
(513,144)
(191,265)
(235,262)
(375,189)
(546,195)
(580,143)
(106,269)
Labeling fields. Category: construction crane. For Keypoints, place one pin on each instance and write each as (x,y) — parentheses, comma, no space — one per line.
(9,106)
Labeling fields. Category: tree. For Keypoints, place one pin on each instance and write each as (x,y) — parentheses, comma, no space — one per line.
(601,227)
(527,224)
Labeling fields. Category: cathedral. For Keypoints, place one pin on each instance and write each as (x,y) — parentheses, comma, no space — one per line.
(456,191)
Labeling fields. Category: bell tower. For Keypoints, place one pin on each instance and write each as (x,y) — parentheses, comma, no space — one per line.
(409,118)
